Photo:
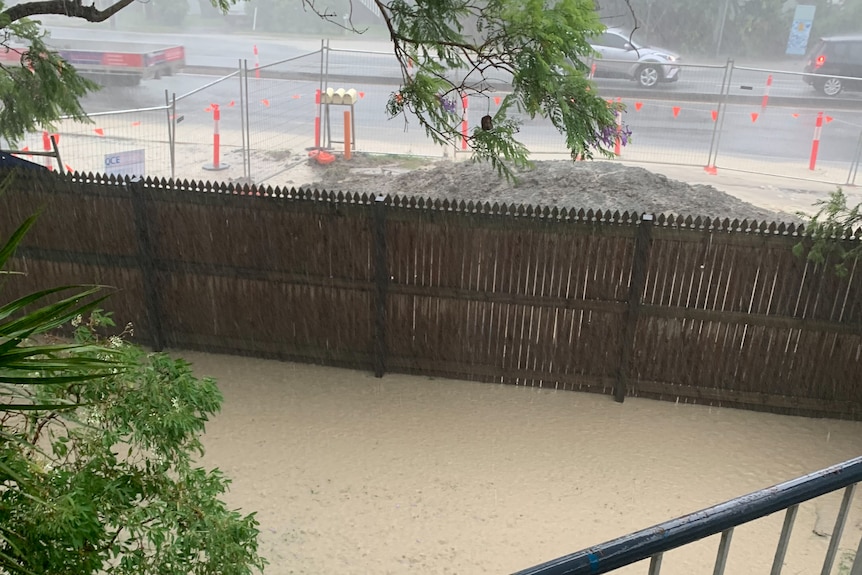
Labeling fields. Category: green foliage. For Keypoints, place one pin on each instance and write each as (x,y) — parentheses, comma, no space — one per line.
(24,364)
(37,87)
(753,28)
(759,28)
(833,19)
(833,234)
(98,442)
(40,87)
(113,487)
(451,49)
(845,563)
(447,49)
(294,17)
(169,12)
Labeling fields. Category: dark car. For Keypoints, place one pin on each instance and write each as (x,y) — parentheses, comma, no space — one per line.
(834,64)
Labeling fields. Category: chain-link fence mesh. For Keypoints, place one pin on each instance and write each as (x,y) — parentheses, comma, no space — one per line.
(215,109)
(92,146)
(269,118)
(280,100)
(792,135)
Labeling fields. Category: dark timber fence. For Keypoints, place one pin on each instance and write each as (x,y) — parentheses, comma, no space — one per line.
(695,310)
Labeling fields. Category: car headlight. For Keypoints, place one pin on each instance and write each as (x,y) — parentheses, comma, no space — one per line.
(668,57)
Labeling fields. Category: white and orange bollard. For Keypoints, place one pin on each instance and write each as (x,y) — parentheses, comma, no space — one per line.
(464,103)
(317,119)
(256,63)
(347,135)
(217,164)
(815,143)
(765,99)
(47,147)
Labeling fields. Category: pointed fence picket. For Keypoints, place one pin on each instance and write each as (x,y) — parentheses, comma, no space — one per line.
(692,309)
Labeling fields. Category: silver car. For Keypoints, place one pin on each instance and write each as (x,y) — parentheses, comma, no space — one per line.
(621,57)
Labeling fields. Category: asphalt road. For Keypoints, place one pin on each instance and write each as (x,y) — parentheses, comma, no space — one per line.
(671,121)
(354,57)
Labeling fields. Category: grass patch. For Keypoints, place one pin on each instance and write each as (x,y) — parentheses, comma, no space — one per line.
(400,161)
(277,155)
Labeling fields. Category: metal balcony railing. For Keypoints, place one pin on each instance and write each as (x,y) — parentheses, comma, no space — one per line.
(653,542)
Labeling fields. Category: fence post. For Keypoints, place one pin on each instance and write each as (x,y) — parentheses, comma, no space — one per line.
(146,261)
(171,112)
(56,149)
(245,111)
(243,123)
(321,88)
(815,142)
(719,119)
(381,284)
(854,166)
(640,262)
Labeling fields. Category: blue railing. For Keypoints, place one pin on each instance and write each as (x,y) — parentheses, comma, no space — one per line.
(651,543)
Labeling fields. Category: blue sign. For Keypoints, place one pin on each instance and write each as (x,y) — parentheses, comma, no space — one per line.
(797,43)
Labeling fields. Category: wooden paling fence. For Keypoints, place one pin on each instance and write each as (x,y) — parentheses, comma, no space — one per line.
(677,308)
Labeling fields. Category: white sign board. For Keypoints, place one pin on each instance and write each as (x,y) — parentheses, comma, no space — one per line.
(125,163)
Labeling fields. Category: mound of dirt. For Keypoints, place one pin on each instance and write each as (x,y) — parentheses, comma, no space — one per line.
(587,185)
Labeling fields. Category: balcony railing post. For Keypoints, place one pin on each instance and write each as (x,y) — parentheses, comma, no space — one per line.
(857,561)
(655,564)
(653,541)
(783,540)
(723,550)
(838,530)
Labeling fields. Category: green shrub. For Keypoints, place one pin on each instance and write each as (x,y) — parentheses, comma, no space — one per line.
(278,16)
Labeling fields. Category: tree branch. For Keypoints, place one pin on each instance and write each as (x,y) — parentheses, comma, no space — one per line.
(70,8)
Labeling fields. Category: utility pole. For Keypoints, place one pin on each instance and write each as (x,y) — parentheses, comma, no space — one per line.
(721,28)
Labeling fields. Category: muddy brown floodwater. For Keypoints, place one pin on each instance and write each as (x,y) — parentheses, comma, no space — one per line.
(351,474)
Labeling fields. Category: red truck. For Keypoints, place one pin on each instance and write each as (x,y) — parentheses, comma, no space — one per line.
(113,63)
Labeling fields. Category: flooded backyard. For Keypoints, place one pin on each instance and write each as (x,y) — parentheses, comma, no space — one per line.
(353,474)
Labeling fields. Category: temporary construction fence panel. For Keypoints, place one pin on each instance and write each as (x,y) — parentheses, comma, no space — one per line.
(377,133)
(134,141)
(208,130)
(271,116)
(375,77)
(789,135)
(282,114)
(342,66)
(667,124)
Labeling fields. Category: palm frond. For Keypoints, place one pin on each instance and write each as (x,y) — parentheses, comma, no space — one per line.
(11,245)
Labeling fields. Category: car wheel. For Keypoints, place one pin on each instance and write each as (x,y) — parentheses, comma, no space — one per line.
(831,86)
(648,76)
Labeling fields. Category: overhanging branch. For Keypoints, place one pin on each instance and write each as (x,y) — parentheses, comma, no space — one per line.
(70,8)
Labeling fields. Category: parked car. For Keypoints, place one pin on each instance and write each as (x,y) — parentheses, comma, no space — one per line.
(833,57)
(621,57)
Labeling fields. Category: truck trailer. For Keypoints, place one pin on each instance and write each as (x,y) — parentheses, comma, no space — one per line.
(112,63)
